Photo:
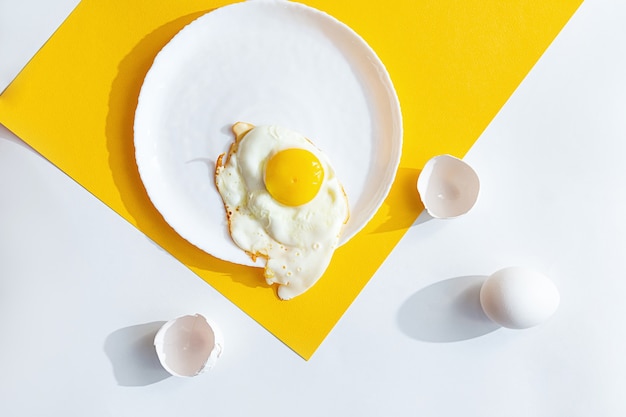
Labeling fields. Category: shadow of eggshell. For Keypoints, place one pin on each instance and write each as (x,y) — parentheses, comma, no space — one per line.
(188,345)
(133,359)
(448,187)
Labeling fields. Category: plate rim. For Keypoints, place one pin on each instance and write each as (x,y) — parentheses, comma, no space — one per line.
(392,103)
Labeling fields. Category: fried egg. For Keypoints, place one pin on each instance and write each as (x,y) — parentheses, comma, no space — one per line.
(283,203)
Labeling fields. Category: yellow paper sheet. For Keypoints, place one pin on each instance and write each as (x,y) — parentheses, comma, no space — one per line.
(453,63)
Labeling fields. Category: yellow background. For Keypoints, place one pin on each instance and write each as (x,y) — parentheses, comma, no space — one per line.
(453,63)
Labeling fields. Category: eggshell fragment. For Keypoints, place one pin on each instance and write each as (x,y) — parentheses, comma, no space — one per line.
(448,187)
(188,345)
(518,297)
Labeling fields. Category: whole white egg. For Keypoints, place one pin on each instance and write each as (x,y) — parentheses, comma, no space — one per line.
(519,297)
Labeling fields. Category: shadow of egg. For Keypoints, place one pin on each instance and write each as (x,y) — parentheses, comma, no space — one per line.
(447,311)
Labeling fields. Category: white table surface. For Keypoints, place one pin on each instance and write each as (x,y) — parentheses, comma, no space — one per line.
(82,291)
(25,25)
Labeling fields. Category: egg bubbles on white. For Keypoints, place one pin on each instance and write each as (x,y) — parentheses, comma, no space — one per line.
(519,297)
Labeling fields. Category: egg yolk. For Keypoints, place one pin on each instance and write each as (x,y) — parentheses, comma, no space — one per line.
(293,176)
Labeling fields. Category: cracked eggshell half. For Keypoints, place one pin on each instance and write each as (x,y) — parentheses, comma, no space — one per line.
(188,345)
(448,187)
(519,297)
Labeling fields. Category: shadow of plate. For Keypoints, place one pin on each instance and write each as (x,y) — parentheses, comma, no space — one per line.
(123,99)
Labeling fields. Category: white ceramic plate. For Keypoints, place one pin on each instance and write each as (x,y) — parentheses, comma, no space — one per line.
(263,62)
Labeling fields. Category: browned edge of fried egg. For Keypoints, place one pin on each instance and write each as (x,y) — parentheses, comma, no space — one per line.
(240,129)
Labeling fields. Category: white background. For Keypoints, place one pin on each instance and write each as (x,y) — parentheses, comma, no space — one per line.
(24,26)
(82,291)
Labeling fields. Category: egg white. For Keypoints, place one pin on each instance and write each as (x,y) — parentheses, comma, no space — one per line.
(296,242)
